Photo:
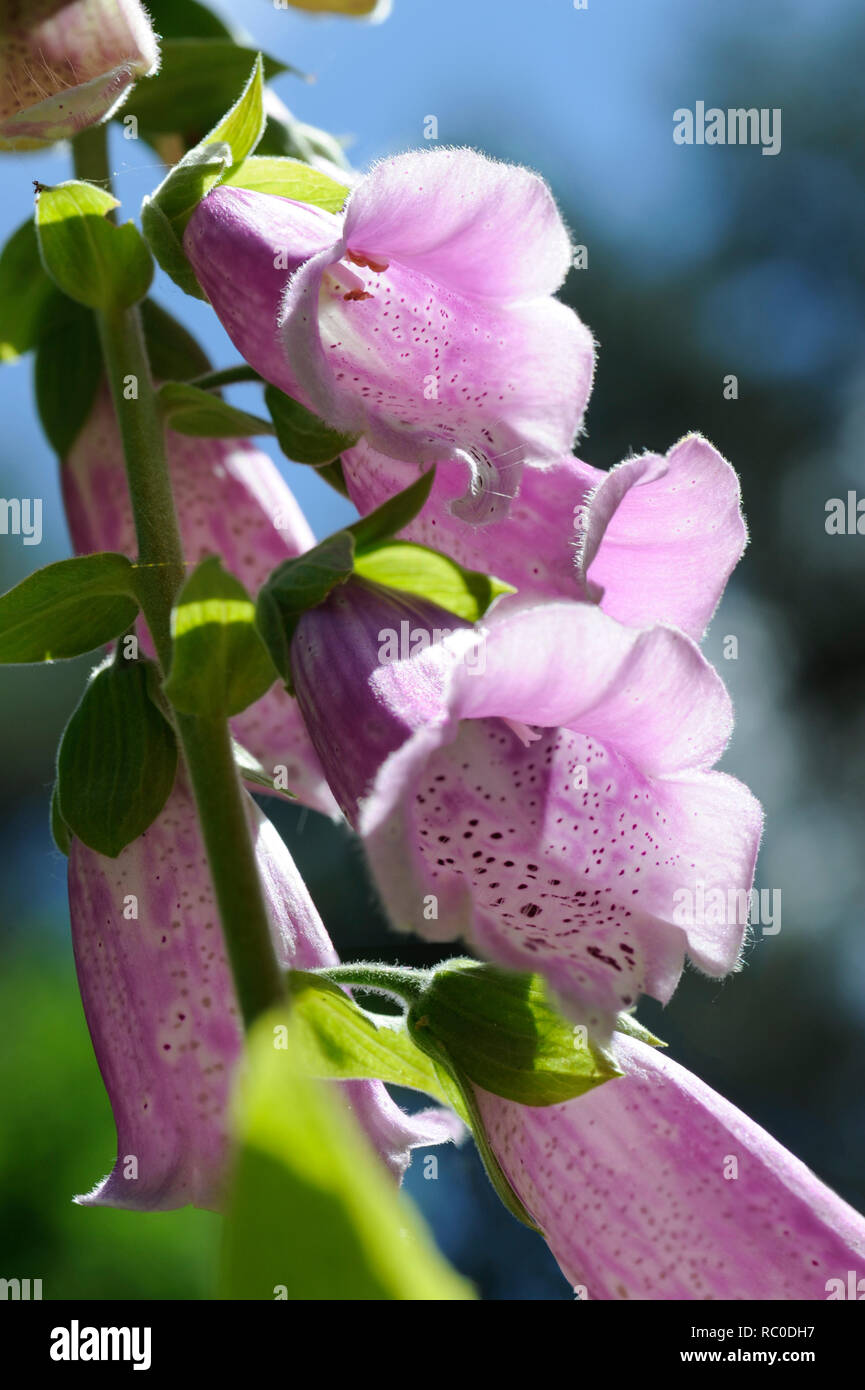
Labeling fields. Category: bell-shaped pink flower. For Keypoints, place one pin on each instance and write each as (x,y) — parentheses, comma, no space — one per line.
(545,785)
(652,1186)
(655,539)
(231,501)
(162,1011)
(423,318)
(67,64)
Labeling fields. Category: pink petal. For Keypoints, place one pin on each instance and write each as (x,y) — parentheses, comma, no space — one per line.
(471,223)
(663,536)
(162,1012)
(633,1187)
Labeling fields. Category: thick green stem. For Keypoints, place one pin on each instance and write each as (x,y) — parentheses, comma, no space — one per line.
(220,801)
(206,743)
(160,552)
(90,157)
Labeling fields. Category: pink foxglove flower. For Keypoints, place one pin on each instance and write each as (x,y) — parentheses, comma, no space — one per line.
(163,1016)
(652,1186)
(653,540)
(231,501)
(422,318)
(67,64)
(543,789)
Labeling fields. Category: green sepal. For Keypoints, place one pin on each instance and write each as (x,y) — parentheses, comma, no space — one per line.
(117,760)
(67,608)
(398,511)
(289,178)
(628,1024)
(68,368)
(165,214)
(415,569)
(188,409)
(302,436)
(89,258)
(502,1032)
(25,287)
(219,664)
(294,587)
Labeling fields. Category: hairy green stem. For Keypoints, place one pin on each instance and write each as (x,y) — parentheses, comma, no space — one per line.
(205,742)
(227,376)
(90,157)
(399,981)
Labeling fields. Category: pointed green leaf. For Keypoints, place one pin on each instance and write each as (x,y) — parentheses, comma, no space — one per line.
(25,288)
(414,569)
(68,370)
(289,178)
(174,353)
(190,410)
(89,258)
(220,664)
(251,770)
(199,78)
(313,1215)
(117,760)
(164,215)
(67,608)
(339,1041)
(384,523)
(302,436)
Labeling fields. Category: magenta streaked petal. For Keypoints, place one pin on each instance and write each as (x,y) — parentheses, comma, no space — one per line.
(162,1011)
(654,1187)
(547,790)
(663,536)
(244,246)
(232,501)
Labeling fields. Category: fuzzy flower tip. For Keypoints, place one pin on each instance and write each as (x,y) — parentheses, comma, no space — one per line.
(162,1012)
(652,1186)
(546,784)
(422,318)
(655,539)
(231,501)
(68,64)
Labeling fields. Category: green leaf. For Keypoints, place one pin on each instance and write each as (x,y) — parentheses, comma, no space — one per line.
(294,587)
(384,523)
(67,608)
(164,215)
(174,353)
(289,178)
(89,258)
(117,760)
(500,1030)
(199,78)
(334,475)
(414,569)
(183,19)
(59,828)
(287,138)
(190,410)
(302,436)
(313,1215)
(68,370)
(25,288)
(627,1023)
(220,664)
(336,1040)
